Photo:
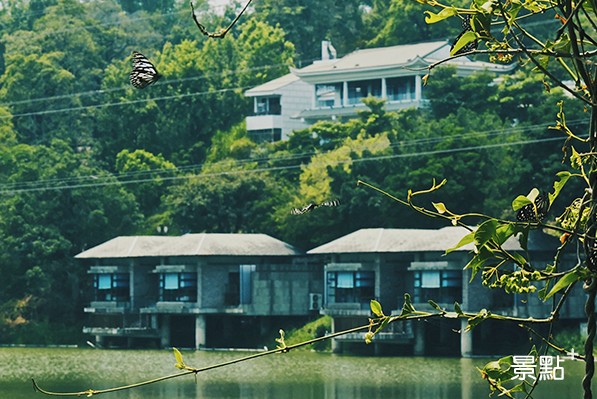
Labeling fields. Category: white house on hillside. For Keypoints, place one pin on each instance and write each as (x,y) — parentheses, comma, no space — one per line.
(274,105)
(333,87)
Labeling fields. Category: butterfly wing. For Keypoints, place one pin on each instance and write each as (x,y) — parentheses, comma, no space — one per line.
(297,211)
(534,212)
(304,209)
(330,203)
(466,27)
(144,72)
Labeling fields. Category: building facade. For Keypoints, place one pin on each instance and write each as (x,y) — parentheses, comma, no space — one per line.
(333,87)
(227,290)
(274,105)
(384,264)
(195,290)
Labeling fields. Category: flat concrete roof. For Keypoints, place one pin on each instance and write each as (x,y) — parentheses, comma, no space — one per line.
(378,240)
(202,244)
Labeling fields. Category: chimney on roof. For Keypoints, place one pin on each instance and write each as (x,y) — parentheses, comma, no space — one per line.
(328,52)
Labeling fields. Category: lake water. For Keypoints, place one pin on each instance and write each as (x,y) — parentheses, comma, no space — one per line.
(296,375)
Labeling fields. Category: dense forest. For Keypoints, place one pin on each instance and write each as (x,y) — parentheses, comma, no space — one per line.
(85,157)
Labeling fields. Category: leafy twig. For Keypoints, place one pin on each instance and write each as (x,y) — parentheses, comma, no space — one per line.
(222,33)
(374,326)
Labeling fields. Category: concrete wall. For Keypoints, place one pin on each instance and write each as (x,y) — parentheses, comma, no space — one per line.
(295,98)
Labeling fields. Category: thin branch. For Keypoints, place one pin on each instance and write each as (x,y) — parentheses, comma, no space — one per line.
(551,344)
(222,33)
(415,315)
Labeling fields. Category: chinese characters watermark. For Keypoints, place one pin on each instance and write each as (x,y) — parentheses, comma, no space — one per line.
(544,367)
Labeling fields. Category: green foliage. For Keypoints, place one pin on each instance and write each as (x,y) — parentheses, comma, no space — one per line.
(64,76)
(403,21)
(341,22)
(315,329)
(226,199)
(147,172)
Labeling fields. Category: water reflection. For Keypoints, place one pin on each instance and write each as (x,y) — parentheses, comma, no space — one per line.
(298,375)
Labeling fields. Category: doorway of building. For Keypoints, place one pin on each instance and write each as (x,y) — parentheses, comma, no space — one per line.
(182,331)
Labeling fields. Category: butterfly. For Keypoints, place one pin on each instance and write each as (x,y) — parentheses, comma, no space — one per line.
(466,27)
(536,211)
(311,206)
(144,72)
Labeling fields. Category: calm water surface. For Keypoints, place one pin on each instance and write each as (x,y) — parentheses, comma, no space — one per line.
(296,375)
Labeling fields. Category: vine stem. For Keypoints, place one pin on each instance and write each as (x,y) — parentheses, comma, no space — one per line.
(591,289)
(414,315)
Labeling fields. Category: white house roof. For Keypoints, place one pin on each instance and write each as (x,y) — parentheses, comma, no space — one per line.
(404,240)
(401,56)
(203,244)
(272,87)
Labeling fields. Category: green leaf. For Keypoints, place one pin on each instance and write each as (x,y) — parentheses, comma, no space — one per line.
(558,185)
(520,201)
(486,232)
(575,159)
(440,207)
(467,239)
(478,261)
(568,278)
(458,309)
(543,61)
(434,305)
(463,41)
(376,308)
(432,18)
(407,307)
(504,231)
(481,23)
(501,369)
(179,361)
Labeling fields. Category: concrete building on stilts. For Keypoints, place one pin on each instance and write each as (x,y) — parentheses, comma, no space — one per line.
(196,290)
(237,291)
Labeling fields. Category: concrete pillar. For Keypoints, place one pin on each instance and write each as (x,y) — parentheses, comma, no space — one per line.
(336,346)
(419,349)
(165,331)
(418,88)
(200,331)
(466,340)
(378,349)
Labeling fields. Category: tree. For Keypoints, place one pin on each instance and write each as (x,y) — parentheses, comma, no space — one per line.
(340,22)
(403,21)
(564,51)
(227,198)
(146,171)
(41,233)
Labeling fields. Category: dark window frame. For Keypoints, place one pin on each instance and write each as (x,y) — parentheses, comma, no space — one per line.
(449,289)
(354,287)
(184,291)
(118,289)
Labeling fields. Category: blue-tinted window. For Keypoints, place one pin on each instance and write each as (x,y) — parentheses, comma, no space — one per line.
(178,287)
(111,287)
(350,286)
(443,286)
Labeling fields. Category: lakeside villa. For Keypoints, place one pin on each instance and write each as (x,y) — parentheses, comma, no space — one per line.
(229,290)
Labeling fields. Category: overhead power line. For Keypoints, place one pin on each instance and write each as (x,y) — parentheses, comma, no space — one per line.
(300,156)
(54,186)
